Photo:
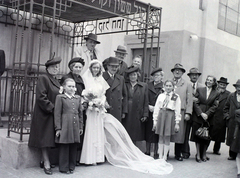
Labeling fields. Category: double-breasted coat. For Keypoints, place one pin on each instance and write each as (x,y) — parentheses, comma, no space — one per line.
(229,109)
(42,133)
(79,82)
(116,95)
(219,123)
(153,92)
(184,90)
(84,53)
(137,108)
(68,118)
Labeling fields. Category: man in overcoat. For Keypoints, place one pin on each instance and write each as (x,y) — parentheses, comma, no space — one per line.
(121,54)
(184,90)
(88,51)
(194,75)
(231,105)
(219,124)
(117,93)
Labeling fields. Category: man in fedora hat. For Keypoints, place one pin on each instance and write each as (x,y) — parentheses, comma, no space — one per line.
(88,51)
(117,93)
(194,75)
(184,90)
(219,124)
(121,54)
(231,105)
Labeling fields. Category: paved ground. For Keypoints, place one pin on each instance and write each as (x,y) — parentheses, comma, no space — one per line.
(217,167)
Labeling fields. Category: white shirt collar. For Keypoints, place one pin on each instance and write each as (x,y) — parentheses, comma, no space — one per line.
(111,75)
(69,96)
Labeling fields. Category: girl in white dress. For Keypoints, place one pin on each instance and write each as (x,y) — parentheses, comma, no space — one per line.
(105,135)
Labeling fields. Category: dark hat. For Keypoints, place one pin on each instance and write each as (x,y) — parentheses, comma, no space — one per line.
(223,80)
(194,70)
(112,61)
(53,61)
(121,49)
(132,69)
(156,70)
(178,66)
(76,59)
(92,37)
(237,83)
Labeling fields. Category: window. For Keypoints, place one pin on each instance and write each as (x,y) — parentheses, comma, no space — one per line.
(229,16)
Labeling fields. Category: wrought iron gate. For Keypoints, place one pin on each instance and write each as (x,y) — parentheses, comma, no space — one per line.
(42,27)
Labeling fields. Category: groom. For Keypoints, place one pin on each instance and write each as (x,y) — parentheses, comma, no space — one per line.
(117,93)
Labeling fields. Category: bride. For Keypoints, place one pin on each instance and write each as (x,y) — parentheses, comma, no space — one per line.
(105,135)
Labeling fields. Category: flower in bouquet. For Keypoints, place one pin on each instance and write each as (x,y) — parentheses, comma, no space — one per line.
(94,101)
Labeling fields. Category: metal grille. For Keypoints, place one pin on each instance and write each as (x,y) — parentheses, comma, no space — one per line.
(42,27)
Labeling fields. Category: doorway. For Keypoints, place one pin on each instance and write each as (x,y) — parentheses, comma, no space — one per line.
(153,61)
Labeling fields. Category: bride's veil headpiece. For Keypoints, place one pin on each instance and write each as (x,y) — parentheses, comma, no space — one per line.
(90,81)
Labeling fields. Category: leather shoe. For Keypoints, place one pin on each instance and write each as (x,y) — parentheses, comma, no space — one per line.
(207,158)
(216,153)
(204,159)
(65,172)
(156,156)
(71,171)
(198,160)
(147,153)
(231,158)
(179,158)
(47,171)
(185,156)
(42,165)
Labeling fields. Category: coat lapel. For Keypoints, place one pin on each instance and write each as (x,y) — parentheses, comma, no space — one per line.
(151,88)
(87,52)
(53,80)
(223,96)
(77,79)
(116,82)
(235,99)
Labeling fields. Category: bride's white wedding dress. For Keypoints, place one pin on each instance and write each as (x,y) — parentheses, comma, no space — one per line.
(105,136)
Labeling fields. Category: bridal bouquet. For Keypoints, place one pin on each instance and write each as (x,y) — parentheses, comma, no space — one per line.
(95,102)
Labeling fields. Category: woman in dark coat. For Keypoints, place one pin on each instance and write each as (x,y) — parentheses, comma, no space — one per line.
(76,65)
(137,93)
(155,88)
(204,108)
(42,133)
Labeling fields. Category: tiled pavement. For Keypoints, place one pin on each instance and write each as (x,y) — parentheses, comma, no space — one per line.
(217,167)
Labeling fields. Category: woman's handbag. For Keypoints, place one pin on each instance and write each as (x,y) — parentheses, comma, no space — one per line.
(203,132)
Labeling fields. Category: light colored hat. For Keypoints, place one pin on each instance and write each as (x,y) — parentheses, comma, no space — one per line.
(178,66)
(121,49)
